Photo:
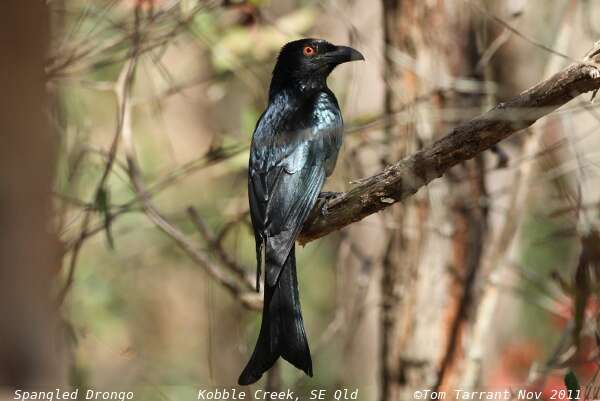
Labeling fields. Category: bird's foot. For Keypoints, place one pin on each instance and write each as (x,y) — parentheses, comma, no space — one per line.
(323,198)
(328,195)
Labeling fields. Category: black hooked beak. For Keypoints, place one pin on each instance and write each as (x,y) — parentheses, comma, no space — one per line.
(343,54)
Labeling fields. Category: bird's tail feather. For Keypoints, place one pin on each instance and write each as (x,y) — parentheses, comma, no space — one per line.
(282,328)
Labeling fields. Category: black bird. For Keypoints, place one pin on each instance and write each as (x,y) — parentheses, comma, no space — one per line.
(294,148)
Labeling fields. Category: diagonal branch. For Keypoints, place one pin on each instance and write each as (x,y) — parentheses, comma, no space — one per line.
(404,178)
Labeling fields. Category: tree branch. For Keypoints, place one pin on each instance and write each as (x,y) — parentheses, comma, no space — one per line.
(404,178)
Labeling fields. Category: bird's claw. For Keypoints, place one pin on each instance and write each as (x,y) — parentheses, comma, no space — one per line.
(328,195)
(323,198)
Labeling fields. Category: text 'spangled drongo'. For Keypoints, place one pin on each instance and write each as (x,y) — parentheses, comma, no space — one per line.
(294,148)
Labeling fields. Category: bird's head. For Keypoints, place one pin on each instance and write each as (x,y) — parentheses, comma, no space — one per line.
(310,60)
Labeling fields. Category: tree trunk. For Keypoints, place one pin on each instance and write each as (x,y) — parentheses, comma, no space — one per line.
(434,250)
(29,335)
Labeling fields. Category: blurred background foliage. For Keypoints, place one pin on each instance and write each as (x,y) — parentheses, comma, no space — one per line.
(142,315)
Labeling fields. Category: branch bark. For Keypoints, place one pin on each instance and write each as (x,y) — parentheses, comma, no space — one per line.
(404,178)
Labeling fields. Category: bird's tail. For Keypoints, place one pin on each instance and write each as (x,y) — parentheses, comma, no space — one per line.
(282,328)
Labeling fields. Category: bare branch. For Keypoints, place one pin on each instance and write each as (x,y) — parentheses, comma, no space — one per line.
(217,247)
(242,291)
(123,85)
(402,179)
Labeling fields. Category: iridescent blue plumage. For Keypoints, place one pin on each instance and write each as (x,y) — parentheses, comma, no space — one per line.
(294,148)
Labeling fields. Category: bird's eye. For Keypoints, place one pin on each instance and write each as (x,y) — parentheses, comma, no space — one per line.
(309,51)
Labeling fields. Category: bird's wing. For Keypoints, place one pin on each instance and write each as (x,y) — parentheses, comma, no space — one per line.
(288,168)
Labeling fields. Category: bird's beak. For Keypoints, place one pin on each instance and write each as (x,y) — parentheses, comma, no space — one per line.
(344,54)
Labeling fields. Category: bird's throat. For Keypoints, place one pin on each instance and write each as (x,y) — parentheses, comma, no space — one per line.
(302,86)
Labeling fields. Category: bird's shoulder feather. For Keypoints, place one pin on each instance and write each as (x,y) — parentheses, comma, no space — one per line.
(291,133)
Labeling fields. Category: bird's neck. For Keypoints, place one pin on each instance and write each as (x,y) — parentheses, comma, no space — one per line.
(297,86)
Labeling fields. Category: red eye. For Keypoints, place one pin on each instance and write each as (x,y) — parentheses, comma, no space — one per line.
(309,51)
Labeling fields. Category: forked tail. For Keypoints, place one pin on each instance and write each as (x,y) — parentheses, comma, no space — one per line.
(282,328)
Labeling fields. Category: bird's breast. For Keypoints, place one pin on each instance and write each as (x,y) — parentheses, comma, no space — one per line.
(326,114)
(325,117)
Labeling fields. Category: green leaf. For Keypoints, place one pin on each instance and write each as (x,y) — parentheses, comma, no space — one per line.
(582,292)
(103,207)
(571,381)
